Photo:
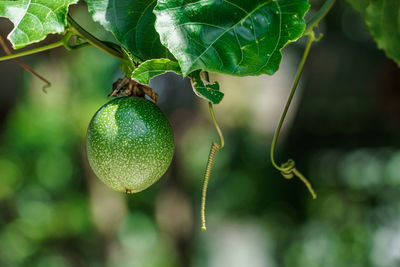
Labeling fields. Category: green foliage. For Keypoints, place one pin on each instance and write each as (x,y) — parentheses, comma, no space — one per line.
(34,20)
(50,201)
(237,37)
(204,89)
(231,37)
(132,23)
(382,18)
(154,67)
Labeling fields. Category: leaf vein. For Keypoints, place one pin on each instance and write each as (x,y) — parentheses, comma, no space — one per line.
(230,28)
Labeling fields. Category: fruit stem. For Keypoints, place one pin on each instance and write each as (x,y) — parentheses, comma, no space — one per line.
(214,148)
(105,46)
(288,169)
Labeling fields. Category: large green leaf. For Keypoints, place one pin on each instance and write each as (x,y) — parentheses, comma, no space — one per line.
(154,67)
(237,37)
(132,23)
(382,18)
(34,19)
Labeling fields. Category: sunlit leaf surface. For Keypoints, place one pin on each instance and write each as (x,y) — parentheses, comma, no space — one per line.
(232,37)
(34,19)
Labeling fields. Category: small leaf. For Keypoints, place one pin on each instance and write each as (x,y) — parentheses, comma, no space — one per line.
(33,20)
(202,89)
(382,18)
(128,63)
(151,68)
(236,37)
(132,23)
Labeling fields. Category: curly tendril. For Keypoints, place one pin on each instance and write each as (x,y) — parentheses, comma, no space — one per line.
(214,148)
(288,169)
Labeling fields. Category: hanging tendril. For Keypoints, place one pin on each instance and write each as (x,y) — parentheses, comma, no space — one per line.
(288,169)
(214,148)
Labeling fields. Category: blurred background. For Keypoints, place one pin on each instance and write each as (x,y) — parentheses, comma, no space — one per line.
(343,131)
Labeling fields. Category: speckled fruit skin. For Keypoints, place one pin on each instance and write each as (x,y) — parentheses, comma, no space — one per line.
(130,144)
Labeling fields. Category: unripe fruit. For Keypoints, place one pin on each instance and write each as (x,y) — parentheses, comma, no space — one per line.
(130,144)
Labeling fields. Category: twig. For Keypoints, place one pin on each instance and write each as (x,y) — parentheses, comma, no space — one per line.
(23,65)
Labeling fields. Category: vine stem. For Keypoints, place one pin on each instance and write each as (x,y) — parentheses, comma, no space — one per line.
(214,148)
(34,50)
(77,29)
(322,12)
(74,28)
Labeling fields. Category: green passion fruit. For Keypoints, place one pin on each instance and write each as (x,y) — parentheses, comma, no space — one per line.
(130,144)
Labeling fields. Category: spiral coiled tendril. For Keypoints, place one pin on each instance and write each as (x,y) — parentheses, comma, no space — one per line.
(213,150)
(288,170)
(211,156)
